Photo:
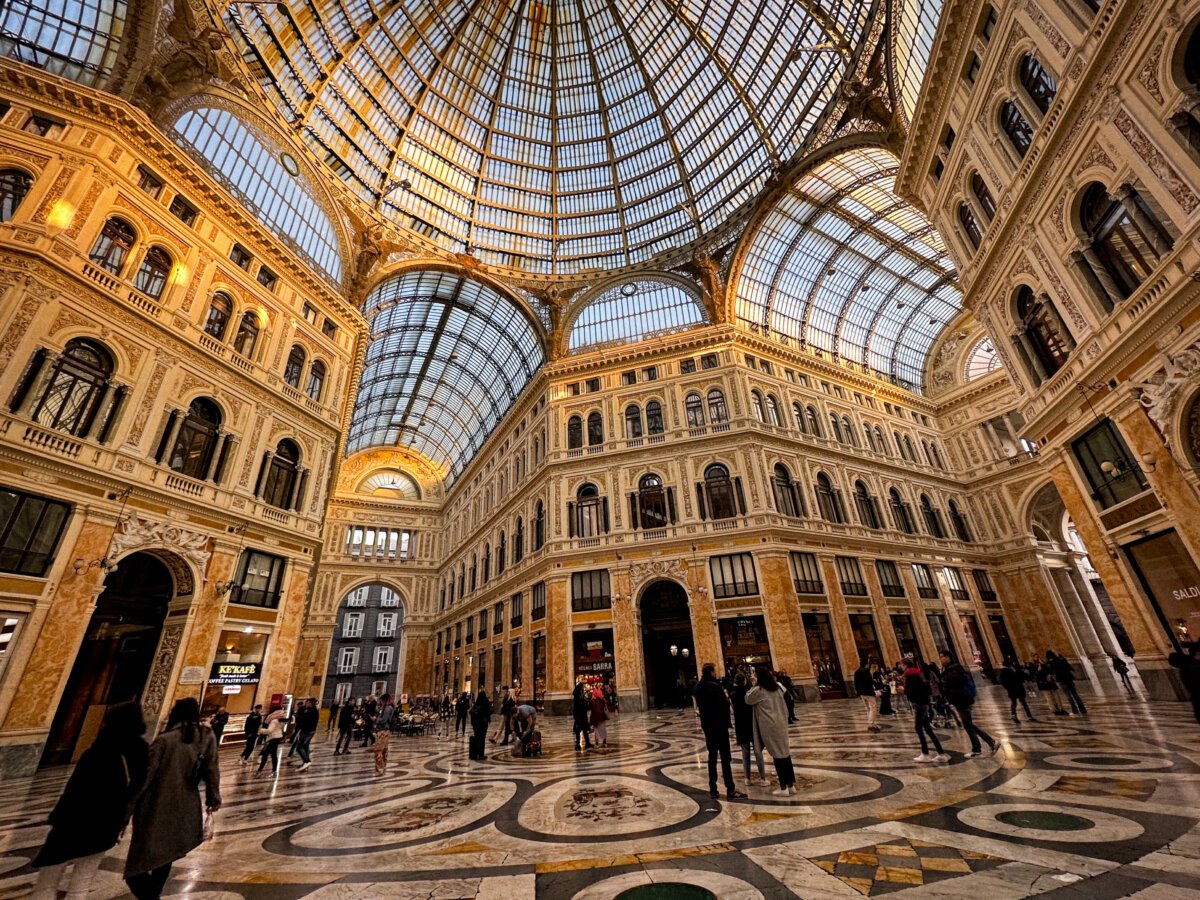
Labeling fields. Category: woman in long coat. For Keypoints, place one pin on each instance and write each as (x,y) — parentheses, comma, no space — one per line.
(771,727)
(95,805)
(168,820)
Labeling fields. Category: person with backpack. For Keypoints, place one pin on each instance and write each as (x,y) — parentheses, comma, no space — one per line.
(920,695)
(1065,675)
(960,690)
(1012,679)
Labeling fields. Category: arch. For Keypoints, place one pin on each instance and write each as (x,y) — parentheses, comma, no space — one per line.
(969,225)
(391,482)
(773,411)
(1043,330)
(14,187)
(982,359)
(665,617)
(828,502)
(245,340)
(113,245)
(756,403)
(788,499)
(718,413)
(220,311)
(595,428)
(315,386)
(633,421)
(841,264)
(1039,84)
(153,272)
(655,423)
(281,478)
(633,310)
(693,407)
(195,448)
(1015,127)
(448,357)
(293,369)
(982,194)
(868,513)
(364,650)
(72,394)
(720,491)
(575,433)
(1124,236)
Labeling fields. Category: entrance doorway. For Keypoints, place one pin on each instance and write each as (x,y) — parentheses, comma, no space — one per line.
(114,661)
(822,649)
(668,651)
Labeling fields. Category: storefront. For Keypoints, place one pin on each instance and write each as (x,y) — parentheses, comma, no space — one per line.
(235,673)
(744,642)
(906,637)
(539,668)
(866,641)
(595,663)
(975,644)
(822,649)
(1171,581)
(1003,639)
(941,635)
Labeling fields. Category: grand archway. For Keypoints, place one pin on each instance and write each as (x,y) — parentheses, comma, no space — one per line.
(668,649)
(118,651)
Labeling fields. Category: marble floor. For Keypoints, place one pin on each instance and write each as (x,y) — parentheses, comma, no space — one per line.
(1091,807)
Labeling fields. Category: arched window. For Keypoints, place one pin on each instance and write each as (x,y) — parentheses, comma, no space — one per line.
(867,433)
(787,498)
(487,563)
(71,396)
(959,522)
(595,429)
(501,553)
(868,512)
(773,410)
(1125,240)
(719,490)
(246,338)
(836,427)
(970,227)
(473,573)
(196,442)
(798,415)
(899,444)
(1043,333)
(152,274)
(814,423)
(633,422)
(910,450)
(881,441)
(848,431)
(539,526)
(694,407)
(654,418)
(935,457)
(283,469)
(933,518)
(829,503)
(901,512)
(1039,84)
(717,412)
(113,245)
(220,311)
(654,505)
(1016,127)
(588,514)
(986,202)
(295,366)
(316,380)
(14,185)
(574,433)
(518,552)
(756,401)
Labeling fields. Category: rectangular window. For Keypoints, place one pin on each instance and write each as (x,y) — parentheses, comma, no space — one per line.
(483,624)
(709,361)
(183,211)
(628,378)
(458,634)
(926,587)
(310,314)
(790,375)
(150,183)
(767,366)
(44,126)
(590,590)
(388,598)
(329,329)
(30,529)
(850,576)
(1108,466)
(806,573)
(259,580)
(889,578)
(650,373)
(573,390)
(383,659)
(958,590)
(267,278)
(352,625)
(385,625)
(687,366)
(470,629)
(347,660)
(498,618)
(983,582)
(733,575)
(517,610)
(751,361)
(593,385)
(537,606)
(365,541)
(9,623)
(357,597)
(515,659)
(241,257)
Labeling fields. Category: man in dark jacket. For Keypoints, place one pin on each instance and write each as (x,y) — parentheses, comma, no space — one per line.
(864,686)
(461,706)
(307,717)
(507,705)
(1012,679)
(581,710)
(250,731)
(1066,680)
(346,716)
(960,691)
(712,704)
(920,695)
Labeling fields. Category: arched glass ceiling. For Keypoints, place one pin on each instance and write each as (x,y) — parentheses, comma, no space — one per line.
(981,360)
(635,310)
(845,265)
(391,483)
(253,170)
(916,27)
(77,39)
(447,358)
(552,135)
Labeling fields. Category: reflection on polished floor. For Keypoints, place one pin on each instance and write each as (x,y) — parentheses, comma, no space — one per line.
(1093,807)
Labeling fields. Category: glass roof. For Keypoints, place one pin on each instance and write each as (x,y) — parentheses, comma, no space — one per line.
(77,39)
(253,170)
(915,30)
(843,264)
(552,135)
(981,360)
(635,310)
(447,358)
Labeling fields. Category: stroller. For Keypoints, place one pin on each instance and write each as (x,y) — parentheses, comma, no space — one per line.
(944,714)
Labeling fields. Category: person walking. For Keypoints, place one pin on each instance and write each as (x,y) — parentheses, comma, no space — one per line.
(743,727)
(273,734)
(387,714)
(1047,685)
(770,727)
(217,723)
(481,718)
(581,711)
(461,706)
(960,691)
(920,695)
(1012,679)
(346,717)
(369,716)
(864,686)
(1122,669)
(599,717)
(1065,676)
(507,705)
(250,730)
(713,705)
(168,819)
(94,808)
(331,722)
(308,717)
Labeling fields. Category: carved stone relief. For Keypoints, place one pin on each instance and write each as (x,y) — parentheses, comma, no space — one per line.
(159,682)
(137,533)
(1162,391)
(642,573)
(1157,163)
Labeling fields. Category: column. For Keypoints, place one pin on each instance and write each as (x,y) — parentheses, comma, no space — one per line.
(206,615)
(785,627)
(558,646)
(1035,372)
(175,419)
(30,400)
(1096,288)
(994,438)
(704,617)
(1107,283)
(1060,323)
(627,645)
(1128,196)
(219,440)
(839,617)
(883,618)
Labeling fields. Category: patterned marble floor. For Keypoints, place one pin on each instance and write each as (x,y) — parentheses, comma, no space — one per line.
(1093,807)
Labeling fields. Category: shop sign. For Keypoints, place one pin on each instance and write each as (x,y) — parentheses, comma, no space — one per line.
(231,689)
(229,673)
(599,665)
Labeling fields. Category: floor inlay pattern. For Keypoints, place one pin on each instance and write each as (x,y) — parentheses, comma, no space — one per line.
(1101,806)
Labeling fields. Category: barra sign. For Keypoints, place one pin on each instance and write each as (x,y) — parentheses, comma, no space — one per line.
(235,673)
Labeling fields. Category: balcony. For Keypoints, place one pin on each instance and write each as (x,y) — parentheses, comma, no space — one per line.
(804,586)
(51,442)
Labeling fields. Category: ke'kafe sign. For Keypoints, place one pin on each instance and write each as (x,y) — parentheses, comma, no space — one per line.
(235,673)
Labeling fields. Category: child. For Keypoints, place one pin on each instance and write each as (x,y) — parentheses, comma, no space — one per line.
(381,751)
